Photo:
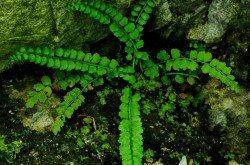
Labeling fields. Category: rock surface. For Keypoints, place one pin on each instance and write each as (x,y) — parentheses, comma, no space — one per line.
(220,14)
(229,114)
(46,23)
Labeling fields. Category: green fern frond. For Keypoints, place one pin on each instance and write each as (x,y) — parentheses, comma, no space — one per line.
(131,145)
(140,13)
(66,59)
(122,28)
(97,10)
(72,100)
(197,61)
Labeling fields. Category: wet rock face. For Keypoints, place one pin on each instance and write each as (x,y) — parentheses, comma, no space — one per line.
(202,20)
(229,114)
(220,13)
(45,23)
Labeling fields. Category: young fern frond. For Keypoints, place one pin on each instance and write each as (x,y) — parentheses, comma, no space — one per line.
(131,144)
(66,59)
(40,93)
(72,100)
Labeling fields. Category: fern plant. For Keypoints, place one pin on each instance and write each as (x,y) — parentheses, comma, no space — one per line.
(40,93)
(91,70)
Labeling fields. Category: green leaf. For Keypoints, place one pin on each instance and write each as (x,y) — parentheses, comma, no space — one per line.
(38,87)
(175,53)
(201,56)
(38,59)
(56,127)
(179,79)
(193,65)
(129,69)
(71,65)
(227,70)
(78,65)
(98,82)
(191,80)
(205,68)
(123,21)
(32,57)
(113,64)
(63,84)
(104,61)
(142,21)
(57,63)
(145,16)
(43,61)
(165,80)
(214,62)
(85,67)
(193,54)
(101,71)
(207,57)
(114,27)
(64,65)
(148,9)
(96,58)
(51,62)
(137,8)
(142,55)
(151,70)
(92,69)
(134,13)
(118,17)
(162,55)
(151,3)
(69,112)
(38,50)
(139,44)
(73,54)
(176,64)
(169,65)
(135,34)
(46,51)
(130,27)
(80,55)
(31,101)
(88,57)
(59,52)
(42,97)
(46,80)
(48,91)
